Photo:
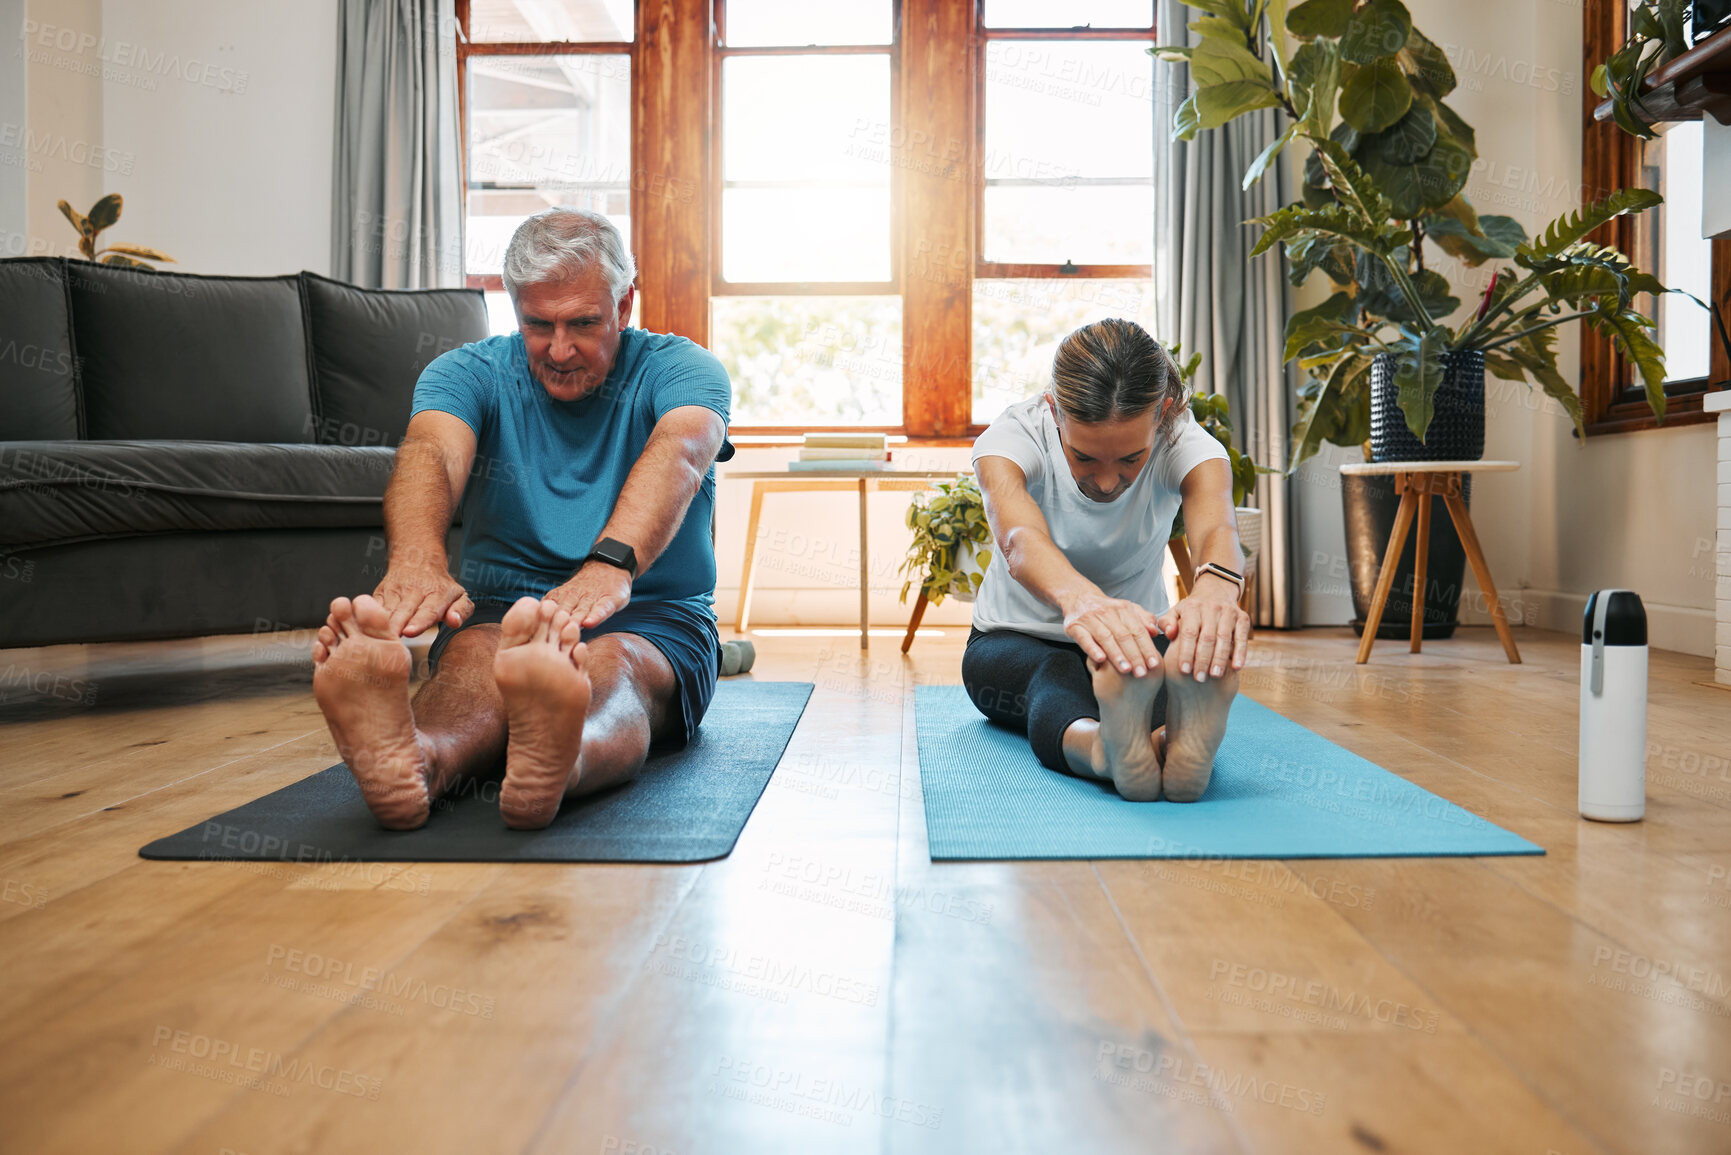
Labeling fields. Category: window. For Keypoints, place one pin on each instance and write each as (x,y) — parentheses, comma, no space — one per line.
(806,311)
(879,214)
(1065,184)
(546,90)
(1665,241)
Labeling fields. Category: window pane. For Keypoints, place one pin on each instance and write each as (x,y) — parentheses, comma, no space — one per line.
(760,23)
(806,196)
(1068,13)
(1670,246)
(544,131)
(811,360)
(1069,161)
(508,21)
(1018,325)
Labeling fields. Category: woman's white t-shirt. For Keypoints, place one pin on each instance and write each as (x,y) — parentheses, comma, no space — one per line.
(1118,545)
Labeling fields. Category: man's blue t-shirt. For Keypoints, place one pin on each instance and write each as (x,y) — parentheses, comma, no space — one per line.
(548,473)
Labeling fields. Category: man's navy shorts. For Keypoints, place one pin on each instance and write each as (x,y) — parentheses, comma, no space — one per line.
(684,633)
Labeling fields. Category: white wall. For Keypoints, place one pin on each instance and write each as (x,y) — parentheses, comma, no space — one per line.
(212,119)
(14,111)
(233,149)
(1634,509)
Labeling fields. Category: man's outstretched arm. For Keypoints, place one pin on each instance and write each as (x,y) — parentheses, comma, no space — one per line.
(431,469)
(651,506)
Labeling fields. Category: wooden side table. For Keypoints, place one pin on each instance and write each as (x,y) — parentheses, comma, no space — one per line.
(1417,482)
(818,481)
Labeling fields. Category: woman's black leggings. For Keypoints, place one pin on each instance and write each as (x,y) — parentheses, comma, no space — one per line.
(1036,687)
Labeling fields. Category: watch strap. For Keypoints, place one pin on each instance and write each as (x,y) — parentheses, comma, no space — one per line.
(1219,570)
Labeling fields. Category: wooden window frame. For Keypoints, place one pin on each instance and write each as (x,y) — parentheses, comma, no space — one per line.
(937,76)
(1003,270)
(1611,160)
(466,49)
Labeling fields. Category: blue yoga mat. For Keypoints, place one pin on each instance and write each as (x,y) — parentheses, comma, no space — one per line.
(1278,791)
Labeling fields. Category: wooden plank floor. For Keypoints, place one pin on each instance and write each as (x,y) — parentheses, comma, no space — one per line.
(827,988)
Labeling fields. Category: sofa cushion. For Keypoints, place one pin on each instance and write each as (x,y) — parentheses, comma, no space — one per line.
(53,492)
(38,363)
(167,356)
(369,347)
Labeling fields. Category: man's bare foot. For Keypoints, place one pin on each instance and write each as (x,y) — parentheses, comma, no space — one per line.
(361,682)
(539,668)
(1195,725)
(1127,746)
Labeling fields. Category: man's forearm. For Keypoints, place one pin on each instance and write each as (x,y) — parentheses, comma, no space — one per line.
(418,506)
(657,492)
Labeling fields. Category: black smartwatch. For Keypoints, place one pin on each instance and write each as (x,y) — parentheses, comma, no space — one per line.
(615,553)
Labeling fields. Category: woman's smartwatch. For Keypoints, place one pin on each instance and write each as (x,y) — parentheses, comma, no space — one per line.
(614,553)
(1219,570)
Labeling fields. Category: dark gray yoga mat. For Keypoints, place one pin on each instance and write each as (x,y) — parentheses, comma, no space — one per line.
(687,806)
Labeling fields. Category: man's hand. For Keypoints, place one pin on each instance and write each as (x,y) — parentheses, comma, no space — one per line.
(1110,629)
(595,593)
(1211,633)
(420,596)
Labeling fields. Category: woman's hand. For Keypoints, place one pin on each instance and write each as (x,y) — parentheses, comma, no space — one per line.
(1210,633)
(1110,629)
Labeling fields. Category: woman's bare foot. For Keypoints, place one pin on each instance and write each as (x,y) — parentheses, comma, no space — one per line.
(1195,725)
(539,668)
(361,682)
(1126,745)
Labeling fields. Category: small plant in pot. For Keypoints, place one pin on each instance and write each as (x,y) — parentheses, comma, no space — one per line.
(948,555)
(1383,187)
(1213,413)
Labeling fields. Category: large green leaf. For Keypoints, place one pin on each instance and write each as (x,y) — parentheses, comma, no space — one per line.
(140,251)
(1536,354)
(1259,166)
(1319,18)
(1316,73)
(1450,125)
(1386,300)
(1308,326)
(1567,229)
(105,212)
(1328,413)
(1351,184)
(1407,140)
(1376,30)
(1375,95)
(78,219)
(1216,105)
(1417,373)
(1431,70)
(1629,329)
(1430,183)
(1333,224)
(1222,57)
(1495,240)
(119,261)
(1333,257)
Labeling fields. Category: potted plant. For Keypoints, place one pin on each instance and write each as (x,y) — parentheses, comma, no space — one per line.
(1389,159)
(950,533)
(102,215)
(1212,412)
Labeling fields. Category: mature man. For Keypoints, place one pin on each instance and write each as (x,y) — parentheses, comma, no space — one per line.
(587,630)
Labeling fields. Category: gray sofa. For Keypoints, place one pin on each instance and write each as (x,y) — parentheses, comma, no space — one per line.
(184,455)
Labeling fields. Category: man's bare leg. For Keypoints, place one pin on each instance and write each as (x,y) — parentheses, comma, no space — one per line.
(1119,746)
(1195,726)
(361,682)
(580,716)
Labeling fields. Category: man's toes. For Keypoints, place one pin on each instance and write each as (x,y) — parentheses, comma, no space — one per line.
(518,625)
(342,619)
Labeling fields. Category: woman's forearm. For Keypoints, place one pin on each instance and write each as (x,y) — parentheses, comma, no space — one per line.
(1041,567)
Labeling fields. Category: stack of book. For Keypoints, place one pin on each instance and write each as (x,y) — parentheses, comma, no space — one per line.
(850,451)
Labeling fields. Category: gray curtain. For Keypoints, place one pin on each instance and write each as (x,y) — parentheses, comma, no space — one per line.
(1213,298)
(396,209)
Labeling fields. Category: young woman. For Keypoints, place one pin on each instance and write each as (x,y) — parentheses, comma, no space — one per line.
(1073,642)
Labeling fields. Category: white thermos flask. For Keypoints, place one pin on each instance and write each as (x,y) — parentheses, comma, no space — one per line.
(1614,707)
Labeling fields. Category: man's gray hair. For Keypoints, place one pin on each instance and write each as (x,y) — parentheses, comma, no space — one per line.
(557,244)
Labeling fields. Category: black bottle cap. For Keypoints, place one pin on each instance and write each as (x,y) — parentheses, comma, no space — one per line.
(1625,618)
